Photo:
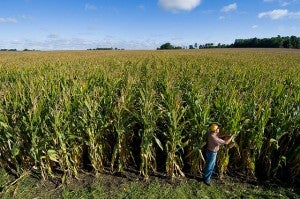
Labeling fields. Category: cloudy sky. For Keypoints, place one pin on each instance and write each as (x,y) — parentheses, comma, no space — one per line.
(141,24)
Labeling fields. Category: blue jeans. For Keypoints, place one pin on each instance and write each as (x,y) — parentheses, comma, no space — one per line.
(210,165)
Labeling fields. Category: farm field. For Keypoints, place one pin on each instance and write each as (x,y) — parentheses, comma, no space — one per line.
(64,112)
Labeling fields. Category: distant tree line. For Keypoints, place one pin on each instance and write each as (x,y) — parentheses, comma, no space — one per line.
(274,42)
(29,49)
(168,46)
(111,48)
(4,49)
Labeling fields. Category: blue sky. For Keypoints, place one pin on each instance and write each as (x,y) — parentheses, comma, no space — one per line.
(141,24)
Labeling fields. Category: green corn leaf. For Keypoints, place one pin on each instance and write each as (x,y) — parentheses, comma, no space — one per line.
(4,125)
(158,143)
(52,154)
(15,150)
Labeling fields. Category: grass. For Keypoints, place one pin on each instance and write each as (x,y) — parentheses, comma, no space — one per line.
(112,186)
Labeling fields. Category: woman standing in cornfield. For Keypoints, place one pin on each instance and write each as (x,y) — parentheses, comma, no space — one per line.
(214,140)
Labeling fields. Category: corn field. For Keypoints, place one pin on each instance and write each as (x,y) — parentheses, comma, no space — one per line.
(63,112)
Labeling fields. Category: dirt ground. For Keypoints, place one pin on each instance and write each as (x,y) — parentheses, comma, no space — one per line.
(112,182)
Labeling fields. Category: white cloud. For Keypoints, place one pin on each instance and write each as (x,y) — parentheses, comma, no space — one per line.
(55,42)
(274,14)
(255,26)
(283,2)
(175,5)
(229,7)
(88,7)
(8,20)
(279,13)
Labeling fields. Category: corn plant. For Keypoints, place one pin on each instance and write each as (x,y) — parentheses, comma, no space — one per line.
(122,126)
(173,113)
(198,112)
(148,116)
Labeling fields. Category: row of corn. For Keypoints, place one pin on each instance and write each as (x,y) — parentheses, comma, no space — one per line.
(61,112)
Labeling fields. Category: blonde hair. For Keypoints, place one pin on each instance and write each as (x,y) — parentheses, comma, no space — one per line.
(214,127)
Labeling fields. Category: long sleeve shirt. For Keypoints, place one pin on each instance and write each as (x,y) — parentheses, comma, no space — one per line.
(214,142)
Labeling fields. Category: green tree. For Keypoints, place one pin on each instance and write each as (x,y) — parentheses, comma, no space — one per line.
(166,46)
